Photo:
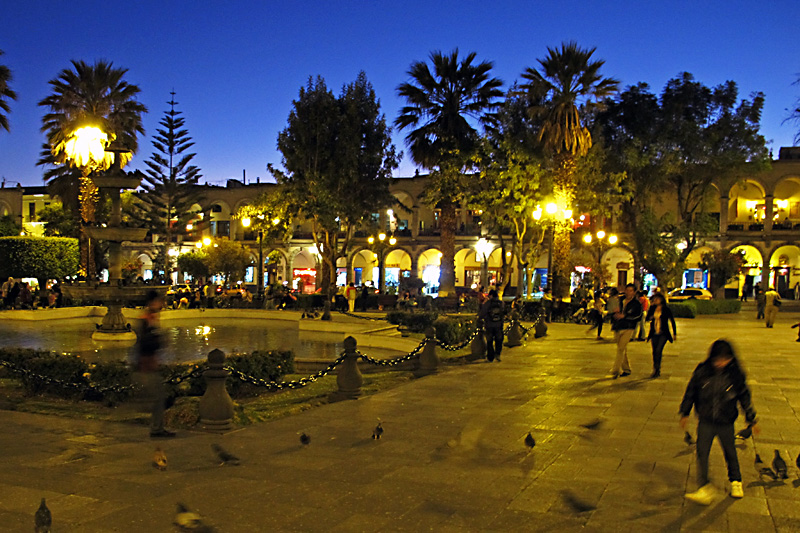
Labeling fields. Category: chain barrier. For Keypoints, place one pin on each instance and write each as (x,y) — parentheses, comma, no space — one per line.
(393,362)
(461,345)
(177,378)
(371,319)
(83,387)
(282,385)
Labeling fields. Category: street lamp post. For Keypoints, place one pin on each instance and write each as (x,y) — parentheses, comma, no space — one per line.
(483,249)
(602,238)
(553,214)
(381,244)
(246,222)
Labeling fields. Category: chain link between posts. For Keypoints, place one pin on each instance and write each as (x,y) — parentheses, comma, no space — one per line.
(82,387)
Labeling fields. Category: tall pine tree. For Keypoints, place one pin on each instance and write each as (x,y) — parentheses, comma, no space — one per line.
(168,188)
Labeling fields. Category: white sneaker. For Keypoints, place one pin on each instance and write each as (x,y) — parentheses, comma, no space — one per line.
(736,489)
(704,495)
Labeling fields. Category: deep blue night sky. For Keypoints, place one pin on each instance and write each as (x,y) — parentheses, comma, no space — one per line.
(236,66)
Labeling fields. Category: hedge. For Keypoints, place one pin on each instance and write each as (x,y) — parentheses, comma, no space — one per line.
(38,257)
(416,321)
(692,308)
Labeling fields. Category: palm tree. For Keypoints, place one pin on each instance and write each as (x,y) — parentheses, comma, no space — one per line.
(567,85)
(91,95)
(6,94)
(443,108)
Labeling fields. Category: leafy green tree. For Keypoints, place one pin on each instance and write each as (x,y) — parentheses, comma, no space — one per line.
(722,267)
(228,259)
(58,221)
(169,184)
(271,214)
(89,95)
(338,160)
(565,89)
(9,227)
(195,264)
(443,107)
(679,143)
(38,257)
(6,94)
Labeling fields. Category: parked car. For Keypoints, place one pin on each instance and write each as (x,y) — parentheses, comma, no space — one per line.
(689,293)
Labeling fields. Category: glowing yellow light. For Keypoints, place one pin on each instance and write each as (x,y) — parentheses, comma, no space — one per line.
(206,241)
(198,244)
(276,221)
(172,252)
(551,208)
(381,237)
(87,147)
(392,241)
(390,212)
(189,227)
(371,240)
(537,214)
(484,249)
(601,234)
(751,204)
(783,204)
(246,222)
(567,213)
(587,238)
(612,239)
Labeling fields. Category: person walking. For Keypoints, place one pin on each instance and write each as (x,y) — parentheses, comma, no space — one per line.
(625,321)
(642,335)
(660,318)
(597,309)
(351,293)
(761,302)
(148,344)
(492,313)
(772,300)
(717,385)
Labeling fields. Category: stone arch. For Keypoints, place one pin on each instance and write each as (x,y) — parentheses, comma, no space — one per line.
(787,202)
(619,261)
(746,203)
(397,264)
(146,258)
(428,262)
(364,263)
(783,260)
(276,270)
(5,209)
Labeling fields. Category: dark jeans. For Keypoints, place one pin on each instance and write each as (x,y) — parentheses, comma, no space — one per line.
(494,341)
(705,436)
(596,318)
(658,342)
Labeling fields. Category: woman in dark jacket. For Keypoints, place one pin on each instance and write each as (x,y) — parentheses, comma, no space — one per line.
(660,317)
(717,385)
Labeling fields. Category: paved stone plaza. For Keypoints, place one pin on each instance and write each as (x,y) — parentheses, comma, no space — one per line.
(452,457)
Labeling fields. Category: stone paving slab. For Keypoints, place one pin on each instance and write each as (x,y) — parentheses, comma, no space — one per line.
(452,457)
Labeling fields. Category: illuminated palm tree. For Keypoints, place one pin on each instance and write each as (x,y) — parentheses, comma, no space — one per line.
(6,94)
(443,108)
(567,85)
(91,96)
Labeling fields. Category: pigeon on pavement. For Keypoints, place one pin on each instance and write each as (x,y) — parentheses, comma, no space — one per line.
(160,459)
(378,431)
(530,442)
(594,424)
(305,440)
(188,522)
(779,466)
(687,438)
(746,433)
(43,520)
(225,457)
(797,462)
(764,470)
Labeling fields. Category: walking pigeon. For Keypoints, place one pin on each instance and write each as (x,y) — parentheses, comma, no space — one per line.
(687,438)
(779,466)
(160,459)
(764,470)
(225,457)
(530,442)
(43,520)
(594,424)
(189,522)
(378,431)
(305,440)
(746,433)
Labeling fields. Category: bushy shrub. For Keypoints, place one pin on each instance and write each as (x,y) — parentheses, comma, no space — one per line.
(692,308)
(453,330)
(416,321)
(107,376)
(683,310)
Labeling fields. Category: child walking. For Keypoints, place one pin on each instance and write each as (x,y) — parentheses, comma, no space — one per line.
(716,387)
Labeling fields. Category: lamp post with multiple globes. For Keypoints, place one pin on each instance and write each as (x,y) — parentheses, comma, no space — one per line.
(555,215)
(379,245)
(601,240)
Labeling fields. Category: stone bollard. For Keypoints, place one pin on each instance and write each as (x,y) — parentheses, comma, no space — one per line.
(348,377)
(478,345)
(514,337)
(216,406)
(539,329)
(429,359)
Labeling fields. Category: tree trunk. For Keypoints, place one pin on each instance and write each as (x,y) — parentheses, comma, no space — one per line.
(326,282)
(561,250)
(447,226)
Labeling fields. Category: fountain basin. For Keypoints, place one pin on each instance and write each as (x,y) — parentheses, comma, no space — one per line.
(130,294)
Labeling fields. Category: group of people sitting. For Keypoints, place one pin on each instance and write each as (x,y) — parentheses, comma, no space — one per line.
(20,295)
